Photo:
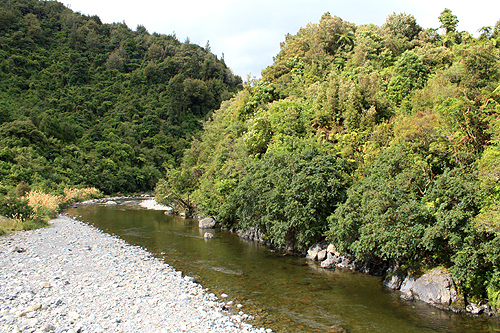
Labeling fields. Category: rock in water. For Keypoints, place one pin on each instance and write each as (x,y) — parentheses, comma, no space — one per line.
(393,282)
(189,279)
(321,255)
(208,235)
(207,223)
(312,253)
(435,287)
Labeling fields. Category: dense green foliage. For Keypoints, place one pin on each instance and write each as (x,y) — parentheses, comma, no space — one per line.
(289,195)
(382,140)
(93,104)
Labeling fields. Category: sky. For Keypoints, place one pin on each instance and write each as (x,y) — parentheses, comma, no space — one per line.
(248,33)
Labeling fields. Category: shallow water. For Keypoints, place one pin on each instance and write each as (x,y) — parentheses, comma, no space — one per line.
(285,293)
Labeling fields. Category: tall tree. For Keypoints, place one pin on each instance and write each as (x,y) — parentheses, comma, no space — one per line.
(448,21)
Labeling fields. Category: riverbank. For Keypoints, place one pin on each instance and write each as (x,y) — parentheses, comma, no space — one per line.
(71,277)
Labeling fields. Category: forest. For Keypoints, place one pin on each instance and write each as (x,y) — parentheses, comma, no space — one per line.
(87,104)
(381,140)
(84,102)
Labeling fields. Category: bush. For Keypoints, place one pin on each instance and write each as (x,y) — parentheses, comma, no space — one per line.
(383,218)
(289,196)
(15,207)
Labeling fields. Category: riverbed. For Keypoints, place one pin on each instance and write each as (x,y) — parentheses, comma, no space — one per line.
(71,277)
(284,293)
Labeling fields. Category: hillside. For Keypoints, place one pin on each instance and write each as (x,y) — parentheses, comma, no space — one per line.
(382,140)
(84,103)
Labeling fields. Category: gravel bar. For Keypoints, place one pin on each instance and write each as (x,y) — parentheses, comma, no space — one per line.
(72,277)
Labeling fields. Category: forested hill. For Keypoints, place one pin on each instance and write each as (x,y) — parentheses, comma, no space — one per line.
(87,103)
(382,140)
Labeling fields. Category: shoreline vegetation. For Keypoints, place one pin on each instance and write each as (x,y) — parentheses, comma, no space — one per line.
(34,208)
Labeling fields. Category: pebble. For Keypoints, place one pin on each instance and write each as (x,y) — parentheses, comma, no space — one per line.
(45,284)
(72,277)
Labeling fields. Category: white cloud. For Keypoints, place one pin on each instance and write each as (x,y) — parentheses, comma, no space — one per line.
(243,54)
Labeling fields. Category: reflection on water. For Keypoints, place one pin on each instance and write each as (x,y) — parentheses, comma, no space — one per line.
(285,293)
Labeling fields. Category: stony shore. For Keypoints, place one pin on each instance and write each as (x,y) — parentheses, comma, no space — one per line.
(71,277)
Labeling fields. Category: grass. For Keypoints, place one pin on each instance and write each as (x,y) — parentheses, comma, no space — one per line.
(15,223)
(45,206)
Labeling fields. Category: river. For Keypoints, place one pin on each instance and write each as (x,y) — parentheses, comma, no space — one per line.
(284,293)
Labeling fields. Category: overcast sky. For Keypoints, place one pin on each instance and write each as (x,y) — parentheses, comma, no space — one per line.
(249,33)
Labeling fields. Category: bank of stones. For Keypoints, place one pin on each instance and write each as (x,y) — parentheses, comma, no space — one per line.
(435,287)
(71,277)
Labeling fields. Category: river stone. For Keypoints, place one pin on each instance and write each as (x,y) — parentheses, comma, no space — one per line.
(16,249)
(45,284)
(331,260)
(328,263)
(331,248)
(208,235)
(111,202)
(190,279)
(313,251)
(321,255)
(252,234)
(476,309)
(47,328)
(34,307)
(407,286)
(207,223)
(435,287)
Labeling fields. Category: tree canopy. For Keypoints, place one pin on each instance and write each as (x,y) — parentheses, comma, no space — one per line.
(93,104)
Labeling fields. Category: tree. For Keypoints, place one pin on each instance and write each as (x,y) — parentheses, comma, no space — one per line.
(402,24)
(486,32)
(382,218)
(448,21)
(481,67)
(411,74)
(174,190)
(346,41)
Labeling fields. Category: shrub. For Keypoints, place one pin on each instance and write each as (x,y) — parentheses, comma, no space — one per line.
(289,196)
(12,206)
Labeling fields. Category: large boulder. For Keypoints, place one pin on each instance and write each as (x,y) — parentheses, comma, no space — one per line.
(335,260)
(331,261)
(331,249)
(435,287)
(207,223)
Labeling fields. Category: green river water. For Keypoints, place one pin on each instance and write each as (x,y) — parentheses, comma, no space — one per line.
(284,293)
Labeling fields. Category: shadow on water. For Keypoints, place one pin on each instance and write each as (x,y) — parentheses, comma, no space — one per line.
(285,293)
